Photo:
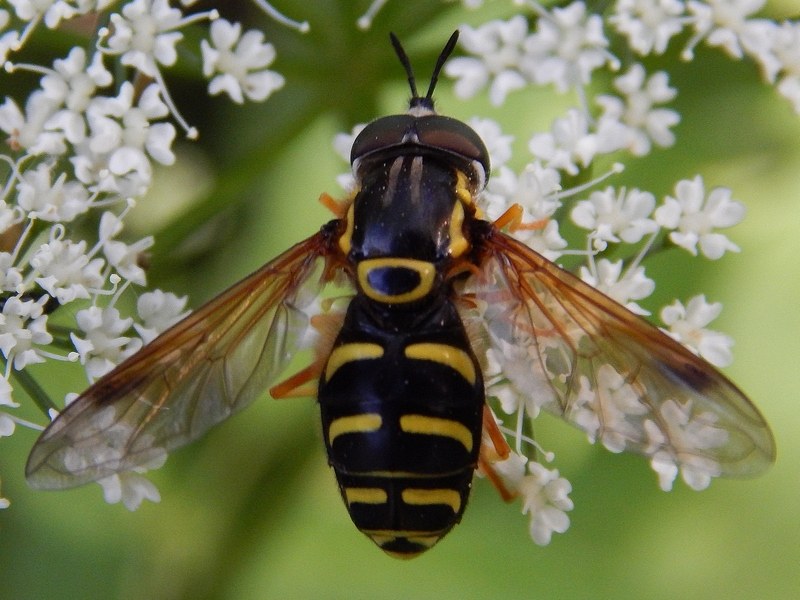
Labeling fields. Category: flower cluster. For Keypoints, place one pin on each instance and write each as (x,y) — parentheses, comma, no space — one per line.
(80,149)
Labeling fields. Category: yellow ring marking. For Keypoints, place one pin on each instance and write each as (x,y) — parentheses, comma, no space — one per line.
(346,353)
(365,495)
(421,496)
(424,425)
(444,354)
(364,423)
(425,270)
(345,242)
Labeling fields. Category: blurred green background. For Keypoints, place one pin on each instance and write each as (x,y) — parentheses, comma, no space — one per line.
(252,510)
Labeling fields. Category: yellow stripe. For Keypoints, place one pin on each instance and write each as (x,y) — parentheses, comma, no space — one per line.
(421,496)
(446,355)
(436,426)
(354,424)
(365,495)
(350,352)
(346,239)
(458,243)
(425,270)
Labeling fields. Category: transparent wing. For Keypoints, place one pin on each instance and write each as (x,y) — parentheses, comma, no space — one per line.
(199,372)
(567,348)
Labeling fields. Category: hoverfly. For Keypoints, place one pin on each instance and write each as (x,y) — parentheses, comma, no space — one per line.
(400,382)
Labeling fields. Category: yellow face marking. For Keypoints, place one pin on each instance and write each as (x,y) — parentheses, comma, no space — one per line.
(425,270)
(444,354)
(424,425)
(346,353)
(347,236)
(354,424)
(365,495)
(458,243)
(421,496)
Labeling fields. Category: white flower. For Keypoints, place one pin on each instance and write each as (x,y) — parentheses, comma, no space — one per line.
(42,199)
(786,48)
(103,345)
(648,24)
(688,326)
(695,218)
(616,215)
(123,257)
(4,503)
(53,11)
(122,141)
(65,271)
(642,124)
(724,23)
(242,70)
(158,311)
(144,35)
(72,85)
(568,144)
(10,276)
(545,496)
(26,131)
(608,278)
(498,48)
(566,47)
(689,433)
(129,488)
(497,143)
(23,326)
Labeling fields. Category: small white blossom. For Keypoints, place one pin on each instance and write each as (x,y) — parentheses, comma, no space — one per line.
(123,257)
(22,327)
(129,488)
(71,86)
(614,216)
(690,433)
(103,346)
(641,123)
(566,47)
(786,49)
(144,35)
(497,46)
(43,199)
(648,24)
(694,218)
(625,289)
(4,503)
(241,62)
(497,143)
(568,145)
(26,131)
(65,271)
(158,311)
(688,326)
(52,11)
(545,497)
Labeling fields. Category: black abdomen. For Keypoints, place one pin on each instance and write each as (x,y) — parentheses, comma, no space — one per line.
(402,418)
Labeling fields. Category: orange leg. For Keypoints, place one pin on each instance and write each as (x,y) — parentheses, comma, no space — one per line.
(337,207)
(494,448)
(512,219)
(300,385)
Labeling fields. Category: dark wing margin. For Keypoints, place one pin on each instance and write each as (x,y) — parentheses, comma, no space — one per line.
(208,366)
(565,347)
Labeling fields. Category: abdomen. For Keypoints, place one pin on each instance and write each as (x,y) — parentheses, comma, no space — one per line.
(402,417)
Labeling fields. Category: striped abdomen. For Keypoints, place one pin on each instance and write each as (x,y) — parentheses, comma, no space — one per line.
(401,415)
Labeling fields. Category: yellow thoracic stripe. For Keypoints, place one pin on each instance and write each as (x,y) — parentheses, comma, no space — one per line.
(421,496)
(458,243)
(425,270)
(444,354)
(345,242)
(365,495)
(425,425)
(351,352)
(354,424)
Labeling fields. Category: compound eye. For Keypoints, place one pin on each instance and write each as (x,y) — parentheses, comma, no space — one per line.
(381,134)
(453,136)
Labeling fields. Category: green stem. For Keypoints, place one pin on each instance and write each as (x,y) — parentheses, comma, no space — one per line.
(35,391)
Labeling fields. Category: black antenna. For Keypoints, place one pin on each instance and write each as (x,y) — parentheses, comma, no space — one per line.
(416,99)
